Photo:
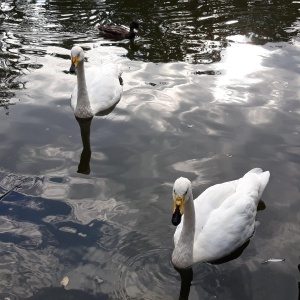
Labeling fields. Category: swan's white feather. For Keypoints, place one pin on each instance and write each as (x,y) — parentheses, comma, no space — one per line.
(225,216)
(103,86)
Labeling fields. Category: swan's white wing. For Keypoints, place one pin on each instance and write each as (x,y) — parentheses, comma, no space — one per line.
(103,85)
(264,179)
(226,229)
(231,224)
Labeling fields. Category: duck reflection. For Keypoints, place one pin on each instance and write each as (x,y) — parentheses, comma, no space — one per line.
(85,131)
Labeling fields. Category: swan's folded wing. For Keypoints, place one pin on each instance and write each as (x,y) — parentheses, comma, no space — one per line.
(211,199)
(104,86)
(227,227)
(216,194)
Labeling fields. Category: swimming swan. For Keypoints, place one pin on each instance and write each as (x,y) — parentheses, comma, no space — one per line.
(219,221)
(97,89)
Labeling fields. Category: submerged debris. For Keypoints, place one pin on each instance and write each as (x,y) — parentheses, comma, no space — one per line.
(9,191)
(64,281)
(98,280)
(273,260)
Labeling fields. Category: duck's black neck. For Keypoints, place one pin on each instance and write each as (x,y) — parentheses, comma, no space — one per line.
(131,33)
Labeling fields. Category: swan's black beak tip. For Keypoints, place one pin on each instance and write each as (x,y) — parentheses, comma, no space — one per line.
(176,218)
(72,69)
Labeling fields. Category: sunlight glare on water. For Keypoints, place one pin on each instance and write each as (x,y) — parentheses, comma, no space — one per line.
(240,68)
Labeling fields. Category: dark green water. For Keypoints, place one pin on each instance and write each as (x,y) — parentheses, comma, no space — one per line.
(211,90)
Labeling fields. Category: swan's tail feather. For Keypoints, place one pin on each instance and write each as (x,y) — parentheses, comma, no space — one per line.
(256,171)
(256,179)
(264,179)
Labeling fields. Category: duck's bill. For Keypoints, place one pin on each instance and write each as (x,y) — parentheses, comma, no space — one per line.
(176,218)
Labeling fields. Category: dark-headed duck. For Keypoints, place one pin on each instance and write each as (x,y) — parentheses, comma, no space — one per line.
(118,32)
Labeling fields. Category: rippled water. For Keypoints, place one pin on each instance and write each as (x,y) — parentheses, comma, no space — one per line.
(211,89)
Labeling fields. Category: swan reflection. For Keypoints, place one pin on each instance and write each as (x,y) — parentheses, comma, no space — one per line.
(85,157)
(186,276)
(85,131)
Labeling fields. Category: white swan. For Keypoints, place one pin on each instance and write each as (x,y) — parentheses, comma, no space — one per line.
(97,89)
(219,221)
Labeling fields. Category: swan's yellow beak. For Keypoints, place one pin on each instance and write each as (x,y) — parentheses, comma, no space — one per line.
(178,202)
(178,209)
(75,61)
(74,64)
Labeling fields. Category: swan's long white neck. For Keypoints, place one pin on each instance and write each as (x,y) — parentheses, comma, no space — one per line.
(182,256)
(83,108)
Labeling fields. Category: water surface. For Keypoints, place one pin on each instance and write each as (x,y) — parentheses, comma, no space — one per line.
(211,90)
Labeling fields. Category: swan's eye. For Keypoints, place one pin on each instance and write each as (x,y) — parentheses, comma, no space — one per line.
(185,192)
(174,191)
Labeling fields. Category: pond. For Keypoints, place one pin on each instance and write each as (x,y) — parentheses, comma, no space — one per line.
(210,90)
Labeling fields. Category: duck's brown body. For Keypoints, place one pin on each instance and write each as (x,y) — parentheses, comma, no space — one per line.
(117,32)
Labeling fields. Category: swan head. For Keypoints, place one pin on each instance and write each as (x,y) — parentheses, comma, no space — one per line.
(77,56)
(182,192)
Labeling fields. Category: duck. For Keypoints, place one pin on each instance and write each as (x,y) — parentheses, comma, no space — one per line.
(98,89)
(118,32)
(217,222)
